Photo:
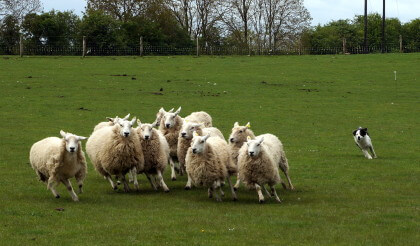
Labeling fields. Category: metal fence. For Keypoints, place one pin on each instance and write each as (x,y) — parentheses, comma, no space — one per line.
(149,50)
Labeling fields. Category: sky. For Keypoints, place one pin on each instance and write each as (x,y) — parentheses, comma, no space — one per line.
(322,11)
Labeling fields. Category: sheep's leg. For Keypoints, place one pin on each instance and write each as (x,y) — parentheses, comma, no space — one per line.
(238,182)
(234,197)
(266,191)
(133,175)
(51,186)
(188,185)
(126,186)
(210,192)
(372,151)
(79,178)
(260,194)
(173,174)
(182,169)
(161,182)
(114,187)
(73,195)
(117,179)
(215,186)
(273,191)
(286,172)
(220,188)
(151,181)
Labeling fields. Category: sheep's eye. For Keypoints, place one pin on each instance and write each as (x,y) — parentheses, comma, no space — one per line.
(258,144)
(173,117)
(202,141)
(192,128)
(240,131)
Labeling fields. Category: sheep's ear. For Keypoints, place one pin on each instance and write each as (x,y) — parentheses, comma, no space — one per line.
(110,119)
(206,137)
(162,111)
(177,111)
(260,140)
(172,110)
(155,123)
(127,116)
(63,133)
(248,138)
(195,134)
(236,124)
(133,121)
(138,122)
(81,138)
(248,125)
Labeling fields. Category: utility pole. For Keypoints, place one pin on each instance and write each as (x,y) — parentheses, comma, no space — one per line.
(383,28)
(365,34)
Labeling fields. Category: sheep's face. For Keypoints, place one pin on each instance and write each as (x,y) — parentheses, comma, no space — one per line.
(188,128)
(116,119)
(126,127)
(254,146)
(199,143)
(146,131)
(169,118)
(239,133)
(72,141)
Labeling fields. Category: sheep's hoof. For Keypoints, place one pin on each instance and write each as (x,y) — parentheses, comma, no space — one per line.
(210,195)
(118,182)
(167,191)
(76,199)
(57,196)
(261,201)
(187,187)
(235,199)
(115,188)
(235,188)
(173,178)
(218,200)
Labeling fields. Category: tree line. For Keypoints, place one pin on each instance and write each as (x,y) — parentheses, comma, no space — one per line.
(261,24)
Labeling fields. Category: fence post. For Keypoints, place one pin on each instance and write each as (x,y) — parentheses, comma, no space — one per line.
(198,47)
(249,46)
(141,46)
(401,44)
(344,46)
(84,47)
(21,46)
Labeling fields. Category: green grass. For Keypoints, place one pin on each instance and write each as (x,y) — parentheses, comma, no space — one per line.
(312,103)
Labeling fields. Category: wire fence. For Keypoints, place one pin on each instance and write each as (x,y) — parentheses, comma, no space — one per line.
(86,49)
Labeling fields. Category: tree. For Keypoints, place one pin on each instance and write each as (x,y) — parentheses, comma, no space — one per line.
(100,29)
(184,12)
(19,8)
(122,10)
(9,34)
(237,17)
(411,33)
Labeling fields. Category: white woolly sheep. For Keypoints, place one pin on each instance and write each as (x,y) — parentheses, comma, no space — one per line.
(208,163)
(57,160)
(110,122)
(237,138)
(258,164)
(115,150)
(185,139)
(200,117)
(156,155)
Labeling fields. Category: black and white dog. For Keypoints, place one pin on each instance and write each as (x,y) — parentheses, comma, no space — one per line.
(362,139)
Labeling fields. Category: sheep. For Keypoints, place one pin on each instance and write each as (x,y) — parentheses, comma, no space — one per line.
(156,154)
(208,163)
(236,139)
(115,150)
(198,117)
(185,139)
(57,160)
(170,124)
(110,122)
(258,163)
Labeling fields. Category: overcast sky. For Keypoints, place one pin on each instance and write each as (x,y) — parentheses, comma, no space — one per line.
(322,11)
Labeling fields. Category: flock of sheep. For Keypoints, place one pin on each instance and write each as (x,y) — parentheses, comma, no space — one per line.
(116,148)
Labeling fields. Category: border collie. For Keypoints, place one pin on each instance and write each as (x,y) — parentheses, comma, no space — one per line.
(362,139)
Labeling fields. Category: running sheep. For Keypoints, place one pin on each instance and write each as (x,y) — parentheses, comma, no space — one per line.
(115,150)
(57,160)
(185,139)
(208,163)
(258,164)
(156,155)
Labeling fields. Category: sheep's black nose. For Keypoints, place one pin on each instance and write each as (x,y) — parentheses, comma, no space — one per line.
(146,137)
(126,134)
(183,134)
(72,149)
(231,140)
(251,153)
(168,125)
(194,151)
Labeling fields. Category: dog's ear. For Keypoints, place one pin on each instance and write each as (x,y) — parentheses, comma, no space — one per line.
(364,129)
(354,132)
(363,132)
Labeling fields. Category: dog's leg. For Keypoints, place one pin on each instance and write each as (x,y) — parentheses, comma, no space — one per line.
(372,151)
(358,146)
(366,153)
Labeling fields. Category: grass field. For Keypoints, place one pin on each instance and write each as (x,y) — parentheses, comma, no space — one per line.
(313,103)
